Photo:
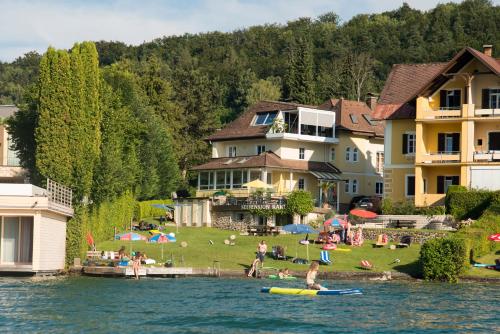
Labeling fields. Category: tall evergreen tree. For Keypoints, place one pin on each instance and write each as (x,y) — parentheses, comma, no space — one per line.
(53,154)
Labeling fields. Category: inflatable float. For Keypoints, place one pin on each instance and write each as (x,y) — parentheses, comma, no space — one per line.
(329,247)
(285,278)
(308,292)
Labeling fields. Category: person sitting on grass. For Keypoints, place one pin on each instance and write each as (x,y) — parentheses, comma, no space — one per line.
(358,237)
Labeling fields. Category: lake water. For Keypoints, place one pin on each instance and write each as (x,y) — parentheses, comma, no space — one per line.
(203,305)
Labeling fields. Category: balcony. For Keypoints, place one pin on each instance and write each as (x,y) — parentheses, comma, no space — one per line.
(441,157)
(304,124)
(486,156)
(487,112)
(443,113)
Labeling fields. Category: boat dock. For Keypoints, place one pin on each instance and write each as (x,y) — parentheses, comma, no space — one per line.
(148,271)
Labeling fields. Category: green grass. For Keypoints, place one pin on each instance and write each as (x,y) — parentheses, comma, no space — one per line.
(483,272)
(201,254)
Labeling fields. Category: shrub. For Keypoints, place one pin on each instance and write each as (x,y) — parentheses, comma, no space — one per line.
(443,259)
(299,202)
(468,204)
(145,209)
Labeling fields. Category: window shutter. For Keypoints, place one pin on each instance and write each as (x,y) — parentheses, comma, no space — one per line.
(440,142)
(442,98)
(466,94)
(486,98)
(456,142)
(455,180)
(457,98)
(405,143)
(440,184)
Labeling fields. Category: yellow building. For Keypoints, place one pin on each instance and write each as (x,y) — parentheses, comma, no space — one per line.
(442,127)
(291,146)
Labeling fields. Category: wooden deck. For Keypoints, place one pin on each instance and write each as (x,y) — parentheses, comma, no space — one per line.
(149,271)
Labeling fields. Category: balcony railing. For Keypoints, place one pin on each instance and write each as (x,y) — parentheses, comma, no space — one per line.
(443,112)
(486,156)
(487,112)
(441,157)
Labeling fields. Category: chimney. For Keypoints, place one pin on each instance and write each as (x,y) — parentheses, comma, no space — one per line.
(371,101)
(488,50)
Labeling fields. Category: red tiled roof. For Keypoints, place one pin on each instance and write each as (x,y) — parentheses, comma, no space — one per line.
(344,109)
(406,81)
(402,84)
(266,159)
(242,128)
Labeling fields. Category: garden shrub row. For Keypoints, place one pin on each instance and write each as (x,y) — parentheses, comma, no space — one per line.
(145,209)
(469,203)
(100,221)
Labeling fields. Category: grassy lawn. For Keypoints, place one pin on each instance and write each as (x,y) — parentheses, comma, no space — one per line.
(483,272)
(200,253)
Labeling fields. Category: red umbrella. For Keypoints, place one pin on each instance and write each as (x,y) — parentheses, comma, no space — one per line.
(335,222)
(494,237)
(363,213)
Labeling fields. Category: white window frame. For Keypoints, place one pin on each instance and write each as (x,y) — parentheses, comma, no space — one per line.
(303,183)
(302,153)
(354,186)
(406,185)
(231,151)
(332,154)
(348,154)
(347,186)
(412,135)
(262,149)
(355,154)
(379,162)
(379,184)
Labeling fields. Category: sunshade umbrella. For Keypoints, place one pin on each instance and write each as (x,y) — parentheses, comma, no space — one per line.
(494,237)
(130,236)
(159,238)
(335,222)
(300,229)
(257,184)
(90,240)
(363,213)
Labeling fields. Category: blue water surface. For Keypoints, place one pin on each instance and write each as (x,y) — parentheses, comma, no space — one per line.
(211,305)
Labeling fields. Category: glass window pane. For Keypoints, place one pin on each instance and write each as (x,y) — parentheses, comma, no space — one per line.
(260,119)
(26,246)
(221,179)
(237,178)
(10,239)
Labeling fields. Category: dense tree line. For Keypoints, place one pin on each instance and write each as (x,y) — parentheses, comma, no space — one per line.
(190,85)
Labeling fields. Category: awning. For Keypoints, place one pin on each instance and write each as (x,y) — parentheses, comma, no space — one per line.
(325,176)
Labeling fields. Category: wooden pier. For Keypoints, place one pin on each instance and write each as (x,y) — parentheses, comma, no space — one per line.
(150,271)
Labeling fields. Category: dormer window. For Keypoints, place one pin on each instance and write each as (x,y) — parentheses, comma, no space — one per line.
(265,118)
(232,151)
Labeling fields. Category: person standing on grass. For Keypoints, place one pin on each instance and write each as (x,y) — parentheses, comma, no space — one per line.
(261,251)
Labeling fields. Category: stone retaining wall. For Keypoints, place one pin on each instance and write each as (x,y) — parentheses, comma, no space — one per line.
(225,221)
(395,235)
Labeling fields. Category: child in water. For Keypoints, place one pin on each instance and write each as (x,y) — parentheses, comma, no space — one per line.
(311,277)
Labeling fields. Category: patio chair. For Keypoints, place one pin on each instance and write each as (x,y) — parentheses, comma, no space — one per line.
(325,257)
(405,241)
(279,253)
(381,240)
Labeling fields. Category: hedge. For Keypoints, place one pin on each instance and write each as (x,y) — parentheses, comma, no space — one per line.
(145,209)
(443,259)
(469,204)
(100,221)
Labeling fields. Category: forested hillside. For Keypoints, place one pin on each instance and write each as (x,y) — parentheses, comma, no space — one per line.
(196,83)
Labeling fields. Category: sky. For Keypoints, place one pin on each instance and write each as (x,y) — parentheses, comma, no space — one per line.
(27,25)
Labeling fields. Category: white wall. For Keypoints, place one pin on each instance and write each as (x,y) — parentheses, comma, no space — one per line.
(51,234)
(485,177)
